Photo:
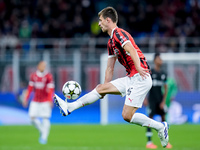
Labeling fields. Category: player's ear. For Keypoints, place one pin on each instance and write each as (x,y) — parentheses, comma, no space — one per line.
(108,19)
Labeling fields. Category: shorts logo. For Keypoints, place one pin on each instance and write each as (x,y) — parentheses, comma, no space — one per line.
(131,100)
(129,91)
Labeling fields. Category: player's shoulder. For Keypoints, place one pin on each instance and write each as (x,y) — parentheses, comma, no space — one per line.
(163,75)
(154,73)
(120,31)
(49,75)
(33,74)
(109,41)
(120,35)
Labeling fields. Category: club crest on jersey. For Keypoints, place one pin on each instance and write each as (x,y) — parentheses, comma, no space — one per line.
(116,51)
(44,79)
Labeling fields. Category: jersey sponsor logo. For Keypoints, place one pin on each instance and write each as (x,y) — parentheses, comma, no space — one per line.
(154,75)
(122,39)
(157,82)
(163,76)
(39,85)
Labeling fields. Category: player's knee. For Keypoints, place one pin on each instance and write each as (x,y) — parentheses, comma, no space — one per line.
(32,118)
(100,89)
(126,116)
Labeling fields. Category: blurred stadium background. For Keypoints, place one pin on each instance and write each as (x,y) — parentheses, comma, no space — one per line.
(65,33)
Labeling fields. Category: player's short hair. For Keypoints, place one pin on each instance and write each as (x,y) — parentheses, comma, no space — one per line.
(157,54)
(109,12)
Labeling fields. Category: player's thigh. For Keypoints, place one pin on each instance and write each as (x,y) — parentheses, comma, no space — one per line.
(45,110)
(107,88)
(40,109)
(117,86)
(137,91)
(33,109)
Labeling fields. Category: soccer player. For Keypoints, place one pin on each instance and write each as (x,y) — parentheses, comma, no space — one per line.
(157,98)
(135,85)
(42,83)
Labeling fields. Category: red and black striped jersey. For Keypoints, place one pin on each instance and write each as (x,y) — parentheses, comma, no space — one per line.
(119,38)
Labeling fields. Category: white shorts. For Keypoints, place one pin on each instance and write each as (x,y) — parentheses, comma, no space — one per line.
(40,109)
(135,88)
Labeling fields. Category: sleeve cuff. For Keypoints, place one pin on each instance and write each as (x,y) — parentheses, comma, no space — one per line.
(125,43)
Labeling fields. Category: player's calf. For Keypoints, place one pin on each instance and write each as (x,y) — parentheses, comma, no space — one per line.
(128,112)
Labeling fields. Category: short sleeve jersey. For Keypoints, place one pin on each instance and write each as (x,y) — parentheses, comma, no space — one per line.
(119,38)
(41,84)
(159,79)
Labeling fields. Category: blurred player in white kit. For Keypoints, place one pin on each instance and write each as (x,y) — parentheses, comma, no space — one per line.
(42,83)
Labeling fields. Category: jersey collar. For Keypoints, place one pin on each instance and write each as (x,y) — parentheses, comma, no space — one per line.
(41,74)
(113,32)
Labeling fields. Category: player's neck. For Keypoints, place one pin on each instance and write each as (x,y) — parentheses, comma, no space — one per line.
(111,29)
(41,74)
(157,68)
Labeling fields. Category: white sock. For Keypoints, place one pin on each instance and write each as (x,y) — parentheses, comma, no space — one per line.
(87,99)
(145,121)
(45,128)
(36,122)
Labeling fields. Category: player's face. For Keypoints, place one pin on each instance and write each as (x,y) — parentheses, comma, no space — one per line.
(158,61)
(103,24)
(42,66)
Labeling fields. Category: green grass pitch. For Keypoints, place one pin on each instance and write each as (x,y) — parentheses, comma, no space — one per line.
(96,137)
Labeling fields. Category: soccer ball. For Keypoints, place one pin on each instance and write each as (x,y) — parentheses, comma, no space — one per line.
(71,90)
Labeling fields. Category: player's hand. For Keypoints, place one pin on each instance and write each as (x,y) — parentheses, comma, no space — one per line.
(145,103)
(51,104)
(162,104)
(143,72)
(25,103)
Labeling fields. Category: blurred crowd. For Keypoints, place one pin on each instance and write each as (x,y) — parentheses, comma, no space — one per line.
(77,18)
(168,18)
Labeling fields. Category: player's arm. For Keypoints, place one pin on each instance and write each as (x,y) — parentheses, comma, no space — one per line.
(164,96)
(50,96)
(27,95)
(134,55)
(110,69)
(50,89)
